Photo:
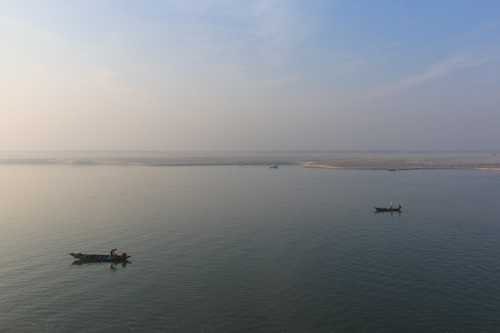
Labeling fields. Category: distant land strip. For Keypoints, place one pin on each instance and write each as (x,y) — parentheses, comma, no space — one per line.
(394,164)
(154,161)
(327,162)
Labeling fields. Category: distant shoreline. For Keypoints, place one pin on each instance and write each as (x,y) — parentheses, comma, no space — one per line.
(325,160)
(391,165)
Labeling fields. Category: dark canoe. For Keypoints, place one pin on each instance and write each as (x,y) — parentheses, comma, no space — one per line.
(388,209)
(97,257)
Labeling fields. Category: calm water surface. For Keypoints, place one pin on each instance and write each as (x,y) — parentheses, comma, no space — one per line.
(249,249)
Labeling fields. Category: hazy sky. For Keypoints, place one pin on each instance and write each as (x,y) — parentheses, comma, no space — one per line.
(249,75)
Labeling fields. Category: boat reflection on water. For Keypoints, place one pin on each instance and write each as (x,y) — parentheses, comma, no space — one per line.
(392,212)
(113,266)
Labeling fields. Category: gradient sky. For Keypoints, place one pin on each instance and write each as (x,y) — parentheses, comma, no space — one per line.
(249,75)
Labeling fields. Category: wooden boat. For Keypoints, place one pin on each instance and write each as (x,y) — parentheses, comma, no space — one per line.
(388,209)
(99,257)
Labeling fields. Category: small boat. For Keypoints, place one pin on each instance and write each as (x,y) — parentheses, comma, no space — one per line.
(388,209)
(99,257)
(274,167)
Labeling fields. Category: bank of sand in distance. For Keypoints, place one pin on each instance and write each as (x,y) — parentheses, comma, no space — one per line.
(393,164)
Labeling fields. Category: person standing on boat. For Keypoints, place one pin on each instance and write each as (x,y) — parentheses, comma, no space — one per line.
(112,253)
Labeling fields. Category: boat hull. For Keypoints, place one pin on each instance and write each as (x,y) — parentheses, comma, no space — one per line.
(98,257)
(387,209)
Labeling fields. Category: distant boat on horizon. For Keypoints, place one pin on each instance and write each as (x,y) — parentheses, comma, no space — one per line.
(274,167)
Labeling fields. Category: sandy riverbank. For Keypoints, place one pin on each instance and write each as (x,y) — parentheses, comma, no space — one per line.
(465,163)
